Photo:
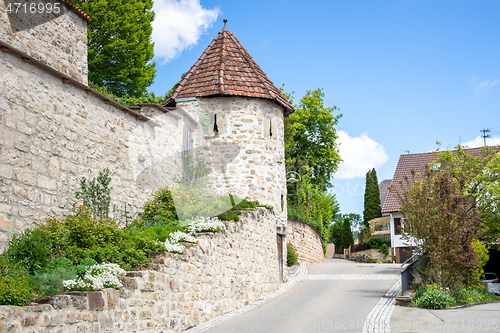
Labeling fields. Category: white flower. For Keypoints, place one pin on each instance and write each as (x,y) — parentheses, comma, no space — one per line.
(205,224)
(198,225)
(97,277)
(178,248)
(179,236)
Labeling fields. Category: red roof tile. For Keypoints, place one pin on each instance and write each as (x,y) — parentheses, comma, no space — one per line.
(417,163)
(226,69)
(76,10)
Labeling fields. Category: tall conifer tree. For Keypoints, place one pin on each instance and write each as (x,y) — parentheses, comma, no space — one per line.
(372,207)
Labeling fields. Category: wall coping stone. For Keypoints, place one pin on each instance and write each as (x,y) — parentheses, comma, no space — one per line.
(5,47)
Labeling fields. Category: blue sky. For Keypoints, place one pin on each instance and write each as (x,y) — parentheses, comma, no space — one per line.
(404,73)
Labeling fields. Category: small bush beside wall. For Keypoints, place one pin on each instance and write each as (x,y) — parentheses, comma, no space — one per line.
(291,255)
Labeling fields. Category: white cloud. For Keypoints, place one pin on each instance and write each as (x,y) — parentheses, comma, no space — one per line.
(480,86)
(359,154)
(179,24)
(479,142)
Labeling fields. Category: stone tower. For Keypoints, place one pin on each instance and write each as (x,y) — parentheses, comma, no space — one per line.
(240,113)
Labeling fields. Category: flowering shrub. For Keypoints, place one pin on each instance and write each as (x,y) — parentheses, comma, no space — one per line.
(179,236)
(97,277)
(173,247)
(435,298)
(201,224)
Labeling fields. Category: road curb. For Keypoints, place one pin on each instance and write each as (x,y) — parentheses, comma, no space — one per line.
(379,319)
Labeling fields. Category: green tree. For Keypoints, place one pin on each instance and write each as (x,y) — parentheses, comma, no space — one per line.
(120,48)
(485,188)
(372,207)
(346,237)
(341,233)
(442,223)
(312,205)
(310,139)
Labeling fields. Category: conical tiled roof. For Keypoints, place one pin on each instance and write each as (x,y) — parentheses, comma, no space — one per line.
(226,69)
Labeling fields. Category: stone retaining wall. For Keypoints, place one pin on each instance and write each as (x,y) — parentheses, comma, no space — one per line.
(371,253)
(306,240)
(222,272)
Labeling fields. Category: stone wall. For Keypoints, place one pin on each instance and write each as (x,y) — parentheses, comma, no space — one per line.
(223,272)
(374,254)
(59,41)
(306,240)
(247,153)
(53,133)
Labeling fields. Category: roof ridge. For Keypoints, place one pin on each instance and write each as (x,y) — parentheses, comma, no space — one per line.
(222,66)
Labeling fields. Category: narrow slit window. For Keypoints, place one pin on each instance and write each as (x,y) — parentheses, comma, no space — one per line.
(270,128)
(216,127)
(282,202)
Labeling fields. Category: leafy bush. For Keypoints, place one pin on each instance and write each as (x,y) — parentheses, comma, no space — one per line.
(230,214)
(61,262)
(29,250)
(482,255)
(377,243)
(435,299)
(160,209)
(291,255)
(311,204)
(421,289)
(96,193)
(82,267)
(82,235)
(159,233)
(51,282)
(474,295)
(14,285)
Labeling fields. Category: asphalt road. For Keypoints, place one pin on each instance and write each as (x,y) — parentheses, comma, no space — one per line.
(336,296)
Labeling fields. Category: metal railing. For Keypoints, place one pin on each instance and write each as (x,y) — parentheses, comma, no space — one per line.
(407,276)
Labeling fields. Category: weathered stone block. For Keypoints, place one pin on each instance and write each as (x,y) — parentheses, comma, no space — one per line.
(129,283)
(96,300)
(106,322)
(6,171)
(30,320)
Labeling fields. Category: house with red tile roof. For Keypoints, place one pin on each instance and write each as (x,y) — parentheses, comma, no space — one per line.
(407,165)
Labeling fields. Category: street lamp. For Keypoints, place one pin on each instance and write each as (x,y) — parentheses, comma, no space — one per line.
(292,177)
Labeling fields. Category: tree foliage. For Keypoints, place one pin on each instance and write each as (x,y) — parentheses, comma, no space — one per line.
(341,229)
(447,209)
(310,139)
(311,150)
(120,48)
(313,205)
(372,207)
(346,237)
